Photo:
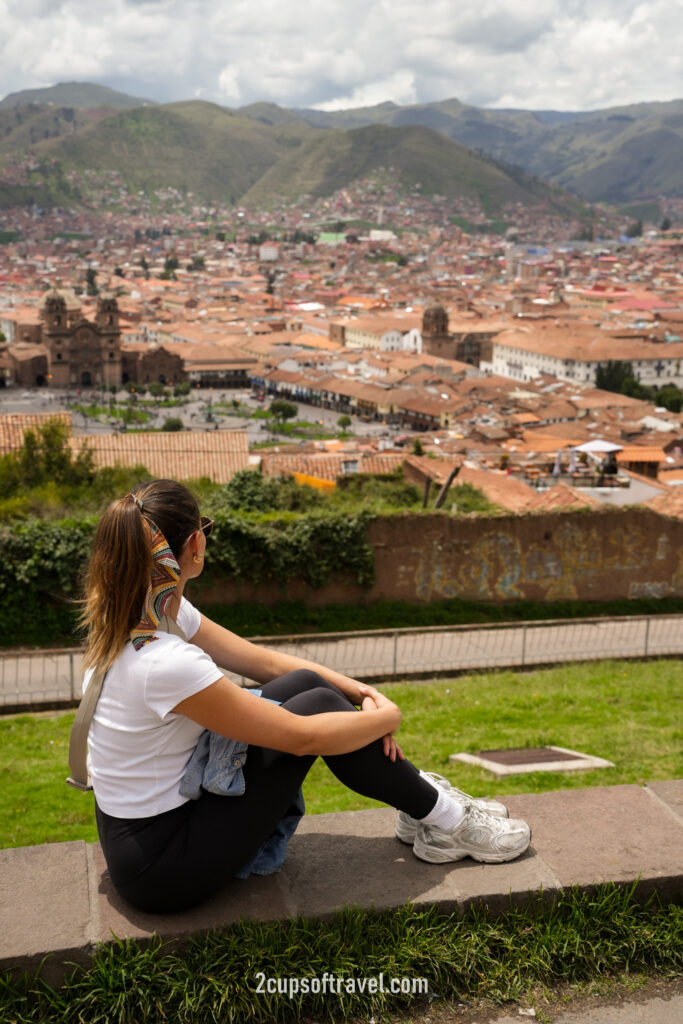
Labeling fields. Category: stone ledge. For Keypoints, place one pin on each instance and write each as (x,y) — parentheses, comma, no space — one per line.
(58,899)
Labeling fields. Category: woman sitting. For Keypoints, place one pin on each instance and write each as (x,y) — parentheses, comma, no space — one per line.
(166,852)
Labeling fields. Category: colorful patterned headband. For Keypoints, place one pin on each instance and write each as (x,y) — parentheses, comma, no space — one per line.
(165,576)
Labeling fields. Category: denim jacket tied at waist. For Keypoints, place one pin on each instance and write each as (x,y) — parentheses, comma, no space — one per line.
(216,765)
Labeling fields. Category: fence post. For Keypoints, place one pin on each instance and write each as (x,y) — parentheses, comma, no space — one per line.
(395,653)
(524,645)
(647,636)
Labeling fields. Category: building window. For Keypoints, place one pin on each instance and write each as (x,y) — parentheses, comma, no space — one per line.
(59,355)
(111,355)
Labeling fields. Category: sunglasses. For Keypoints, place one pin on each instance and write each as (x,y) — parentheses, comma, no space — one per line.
(206,526)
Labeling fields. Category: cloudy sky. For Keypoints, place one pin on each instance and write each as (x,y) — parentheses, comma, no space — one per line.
(534,54)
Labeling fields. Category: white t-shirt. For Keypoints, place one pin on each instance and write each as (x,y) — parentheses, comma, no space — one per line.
(138,749)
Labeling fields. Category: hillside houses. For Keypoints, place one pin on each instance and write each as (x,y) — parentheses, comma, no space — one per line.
(437,327)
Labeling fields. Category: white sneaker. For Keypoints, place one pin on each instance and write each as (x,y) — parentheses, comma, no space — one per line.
(479,835)
(406,827)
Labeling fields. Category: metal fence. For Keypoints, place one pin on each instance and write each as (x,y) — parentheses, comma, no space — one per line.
(52,678)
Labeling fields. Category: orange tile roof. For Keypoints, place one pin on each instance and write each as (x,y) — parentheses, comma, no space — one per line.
(183,455)
(328,466)
(585,346)
(668,504)
(560,496)
(13,425)
(499,487)
(641,453)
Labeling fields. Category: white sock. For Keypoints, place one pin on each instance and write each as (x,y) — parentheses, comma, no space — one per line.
(446,812)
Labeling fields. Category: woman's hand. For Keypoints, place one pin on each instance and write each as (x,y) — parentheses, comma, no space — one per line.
(373,700)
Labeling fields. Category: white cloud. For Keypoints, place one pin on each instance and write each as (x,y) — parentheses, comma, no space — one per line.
(399,88)
(562,54)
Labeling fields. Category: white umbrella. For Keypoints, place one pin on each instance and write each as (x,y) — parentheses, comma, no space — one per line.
(599,446)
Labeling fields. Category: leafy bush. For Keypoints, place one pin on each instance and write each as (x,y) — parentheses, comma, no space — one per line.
(45,457)
(251,492)
(173,423)
(467,498)
(314,548)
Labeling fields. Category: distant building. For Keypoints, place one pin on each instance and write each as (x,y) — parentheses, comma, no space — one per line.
(80,352)
(144,364)
(66,350)
(435,337)
(469,343)
(269,252)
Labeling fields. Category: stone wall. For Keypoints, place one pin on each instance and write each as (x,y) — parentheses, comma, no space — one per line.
(597,555)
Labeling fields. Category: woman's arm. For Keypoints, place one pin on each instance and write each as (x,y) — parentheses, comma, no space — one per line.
(231,711)
(260,663)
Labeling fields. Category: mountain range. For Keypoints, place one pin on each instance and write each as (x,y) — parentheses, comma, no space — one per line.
(262,150)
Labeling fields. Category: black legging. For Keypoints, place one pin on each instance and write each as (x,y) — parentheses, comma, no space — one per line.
(177,859)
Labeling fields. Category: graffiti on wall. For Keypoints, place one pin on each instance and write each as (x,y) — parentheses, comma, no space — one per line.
(575,558)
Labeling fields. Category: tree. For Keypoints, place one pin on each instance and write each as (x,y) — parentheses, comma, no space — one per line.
(418,447)
(91,281)
(613,375)
(344,421)
(45,457)
(283,410)
(156,388)
(173,423)
(170,267)
(635,229)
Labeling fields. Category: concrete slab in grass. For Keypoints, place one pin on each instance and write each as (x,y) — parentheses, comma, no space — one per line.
(605,833)
(670,793)
(44,906)
(256,899)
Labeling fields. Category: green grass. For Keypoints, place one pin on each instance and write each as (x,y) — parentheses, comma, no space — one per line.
(127,413)
(623,711)
(213,979)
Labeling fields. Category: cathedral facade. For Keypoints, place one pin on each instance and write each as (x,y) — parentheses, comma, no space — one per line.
(80,352)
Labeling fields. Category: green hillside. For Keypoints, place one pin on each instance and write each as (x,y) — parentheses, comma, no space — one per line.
(620,155)
(21,128)
(221,155)
(194,146)
(333,159)
(82,95)
(615,155)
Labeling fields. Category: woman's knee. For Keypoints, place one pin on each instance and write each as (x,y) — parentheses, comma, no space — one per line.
(299,681)
(317,700)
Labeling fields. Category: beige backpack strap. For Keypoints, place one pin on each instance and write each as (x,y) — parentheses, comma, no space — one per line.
(78,740)
(168,625)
